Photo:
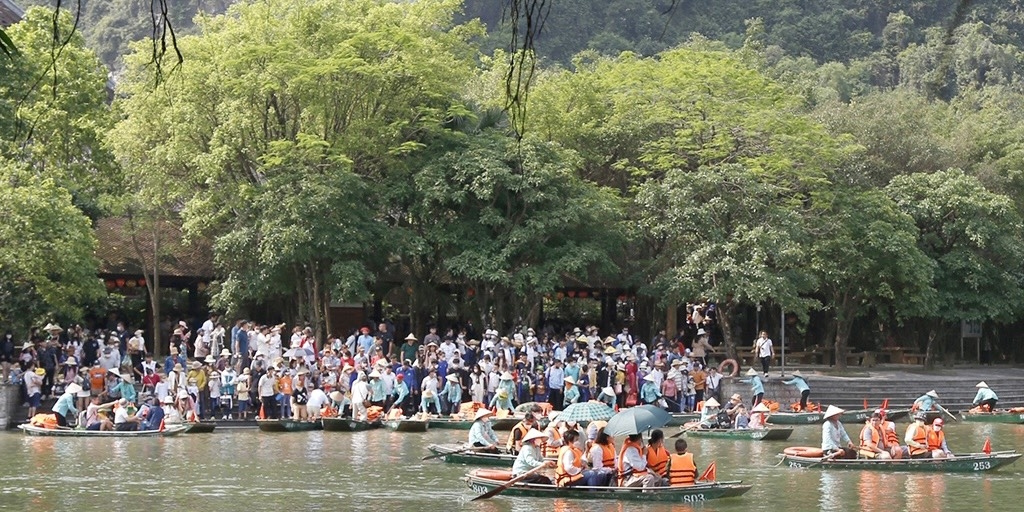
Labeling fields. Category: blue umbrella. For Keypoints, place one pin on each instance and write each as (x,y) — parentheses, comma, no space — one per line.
(636,420)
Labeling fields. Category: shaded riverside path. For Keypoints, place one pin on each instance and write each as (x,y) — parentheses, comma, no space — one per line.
(381,471)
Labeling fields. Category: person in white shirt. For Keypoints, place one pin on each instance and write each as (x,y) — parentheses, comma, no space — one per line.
(764,350)
(360,397)
(316,402)
(448,349)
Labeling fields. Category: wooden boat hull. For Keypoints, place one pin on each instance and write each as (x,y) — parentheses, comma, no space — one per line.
(763,434)
(408,425)
(348,425)
(856,415)
(32,430)
(690,494)
(201,427)
(499,460)
(1012,418)
(680,419)
(962,463)
(502,424)
(288,425)
(897,414)
(796,418)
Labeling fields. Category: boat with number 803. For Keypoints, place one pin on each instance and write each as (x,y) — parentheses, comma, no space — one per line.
(483,481)
(962,463)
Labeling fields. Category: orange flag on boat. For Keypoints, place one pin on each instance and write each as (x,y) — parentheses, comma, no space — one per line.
(709,473)
(988,446)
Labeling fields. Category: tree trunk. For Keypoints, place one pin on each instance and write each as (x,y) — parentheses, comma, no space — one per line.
(153,287)
(316,309)
(844,323)
(533,316)
(724,321)
(929,351)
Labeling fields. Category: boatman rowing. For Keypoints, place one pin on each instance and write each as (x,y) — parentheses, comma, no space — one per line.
(481,435)
(927,402)
(835,442)
(985,397)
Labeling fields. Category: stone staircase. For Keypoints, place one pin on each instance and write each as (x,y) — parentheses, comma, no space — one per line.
(955,388)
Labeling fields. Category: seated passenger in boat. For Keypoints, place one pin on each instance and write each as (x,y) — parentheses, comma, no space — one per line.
(602,457)
(872,441)
(481,434)
(758,416)
(682,471)
(937,441)
(95,419)
(657,456)
(531,457)
(742,419)
(892,440)
(125,419)
(633,471)
(569,469)
(171,414)
(709,413)
(917,437)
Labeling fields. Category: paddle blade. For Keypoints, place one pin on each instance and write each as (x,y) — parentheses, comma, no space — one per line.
(988,446)
(709,473)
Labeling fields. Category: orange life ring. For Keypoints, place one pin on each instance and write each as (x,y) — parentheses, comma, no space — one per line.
(735,367)
(803,451)
(493,474)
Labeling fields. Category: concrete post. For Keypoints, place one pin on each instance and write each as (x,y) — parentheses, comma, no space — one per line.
(9,405)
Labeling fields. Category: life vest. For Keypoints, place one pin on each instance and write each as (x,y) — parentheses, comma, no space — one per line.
(920,436)
(562,477)
(608,454)
(285,384)
(97,378)
(622,461)
(554,434)
(891,439)
(682,470)
(873,443)
(520,427)
(657,460)
(935,439)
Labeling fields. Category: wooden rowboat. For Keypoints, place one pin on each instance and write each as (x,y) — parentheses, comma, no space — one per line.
(482,481)
(856,415)
(454,454)
(288,425)
(200,427)
(457,424)
(754,434)
(1014,418)
(680,419)
(33,430)
(348,425)
(961,463)
(407,425)
(796,418)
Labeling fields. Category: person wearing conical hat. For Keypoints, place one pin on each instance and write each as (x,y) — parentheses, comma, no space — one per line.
(429,397)
(926,402)
(65,406)
(451,394)
(530,457)
(709,413)
(481,434)
(378,391)
(649,392)
(835,442)
(507,383)
(607,396)
(986,398)
(502,400)
(571,393)
(797,380)
(758,416)
(756,386)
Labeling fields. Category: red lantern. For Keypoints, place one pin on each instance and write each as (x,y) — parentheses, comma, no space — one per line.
(470,292)
(142,282)
(110,284)
(120,283)
(559,295)
(572,294)
(583,294)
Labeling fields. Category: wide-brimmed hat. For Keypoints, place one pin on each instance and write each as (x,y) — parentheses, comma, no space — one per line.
(182,394)
(677,362)
(337,396)
(225,352)
(246,371)
(53,327)
(751,372)
(195,365)
(482,413)
(932,394)
(374,374)
(982,385)
(610,350)
(116,372)
(27,345)
(74,362)
(178,368)
(73,388)
(473,343)
(735,396)
(760,407)
(452,378)
(608,391)
(506,376)
(649,378)
(796,373)
(570,379)
(833,411)
(711,402)
(534,434)
(167,399)
(411,337)
(209,359)
(139,332)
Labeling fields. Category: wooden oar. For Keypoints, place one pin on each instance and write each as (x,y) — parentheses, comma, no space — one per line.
(947,413)
(685,428)
(498,490)
(463,450)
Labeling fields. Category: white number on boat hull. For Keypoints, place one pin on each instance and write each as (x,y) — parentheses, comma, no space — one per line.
(478,488)
(982,466)
(693,498)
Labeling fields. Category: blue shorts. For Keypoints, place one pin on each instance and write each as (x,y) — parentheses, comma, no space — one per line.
(35,400)
(94,426)
(243,405)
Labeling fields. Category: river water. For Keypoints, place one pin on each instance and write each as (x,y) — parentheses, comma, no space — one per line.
(244,469)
